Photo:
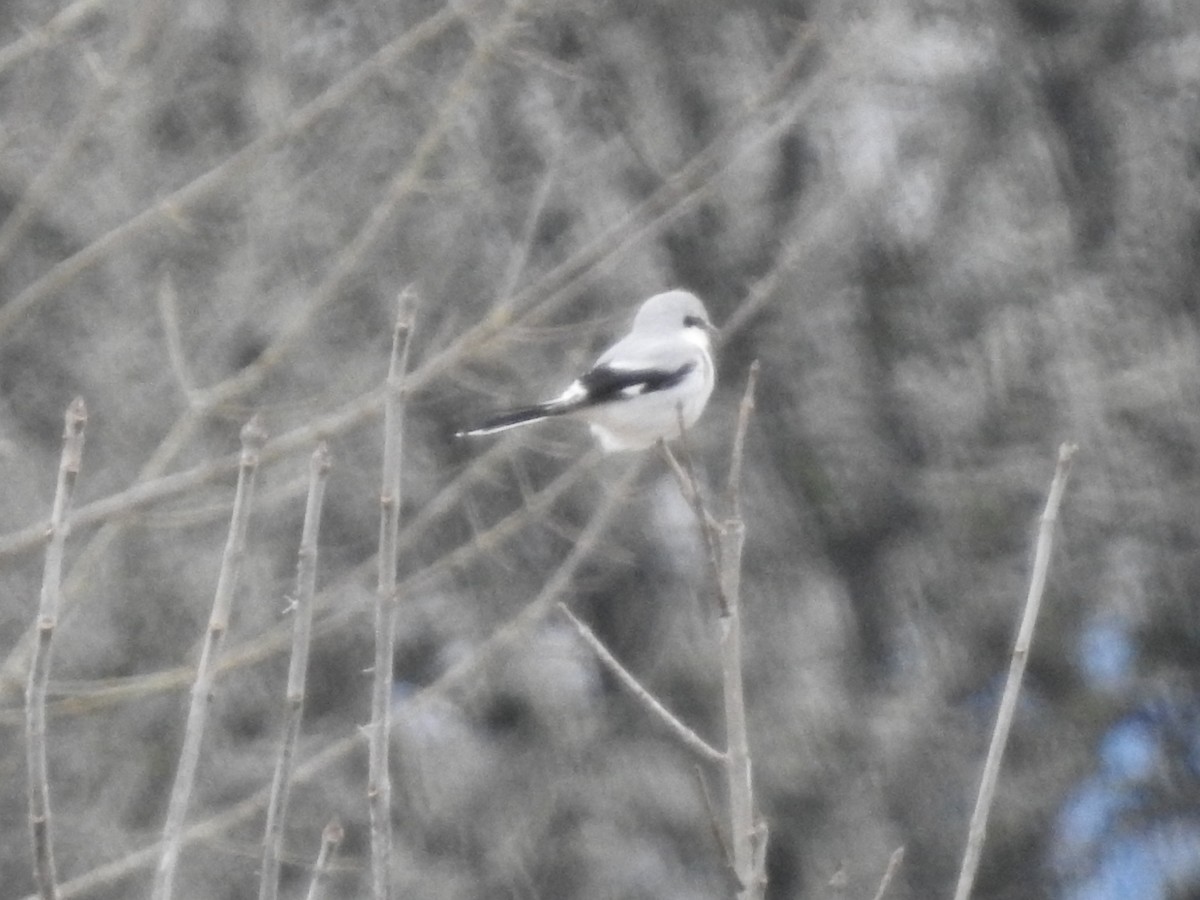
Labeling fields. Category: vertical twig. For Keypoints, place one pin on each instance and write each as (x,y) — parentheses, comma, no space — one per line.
(747,837)
(39,669)
(1016,671)
(253,437)
(379,784)
(733,489)
(306,583)
(331,837)
(724,539)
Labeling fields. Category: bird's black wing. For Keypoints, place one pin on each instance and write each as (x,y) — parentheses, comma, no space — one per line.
(605,383)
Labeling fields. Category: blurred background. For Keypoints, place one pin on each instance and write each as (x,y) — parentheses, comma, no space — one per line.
(953,234)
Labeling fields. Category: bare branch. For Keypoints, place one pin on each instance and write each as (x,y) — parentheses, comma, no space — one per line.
(1016,672)
(253,438)
(748,835)
(690,739)
(379,783)
(39,670)
(306,582)
(738,767)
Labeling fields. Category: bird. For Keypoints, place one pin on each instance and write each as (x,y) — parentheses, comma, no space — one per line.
(636,391)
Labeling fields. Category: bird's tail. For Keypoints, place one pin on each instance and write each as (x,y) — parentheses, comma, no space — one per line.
(514,417)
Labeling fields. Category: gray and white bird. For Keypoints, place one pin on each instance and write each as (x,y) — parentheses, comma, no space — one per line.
(633,394)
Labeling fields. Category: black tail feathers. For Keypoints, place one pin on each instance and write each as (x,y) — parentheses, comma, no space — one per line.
(513,418)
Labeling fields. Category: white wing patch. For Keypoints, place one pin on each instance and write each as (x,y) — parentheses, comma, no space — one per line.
(574,392)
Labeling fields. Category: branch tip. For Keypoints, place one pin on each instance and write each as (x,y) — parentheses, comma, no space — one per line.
(737,454)
(406,304)
(333,832)
(253,435)
(76,414)
(322,459)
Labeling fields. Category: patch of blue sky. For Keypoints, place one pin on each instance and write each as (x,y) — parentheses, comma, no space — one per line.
(1153,865)
(1106,653)
(1131,750)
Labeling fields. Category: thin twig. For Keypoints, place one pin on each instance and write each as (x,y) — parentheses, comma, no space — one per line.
(748,836)
(1016,671)
(253,438)
(379,783)
(331,838)
(39,670)
(306,583)
(689,738)
(733,490)
(889,873)
(168,314)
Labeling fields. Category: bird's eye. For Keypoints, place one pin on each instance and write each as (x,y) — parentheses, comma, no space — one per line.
(693,322)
